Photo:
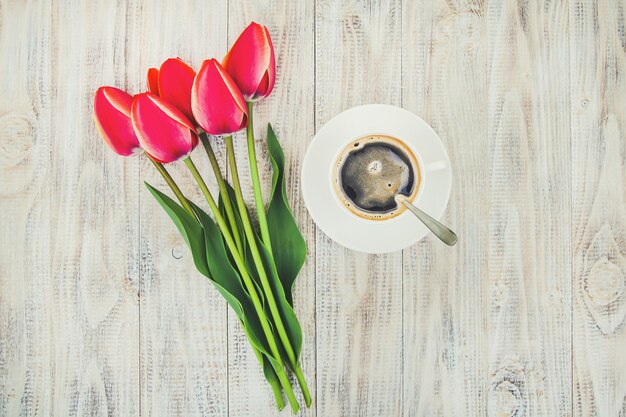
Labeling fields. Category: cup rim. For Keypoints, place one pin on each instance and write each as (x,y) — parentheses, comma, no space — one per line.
(415,158)
(329,213)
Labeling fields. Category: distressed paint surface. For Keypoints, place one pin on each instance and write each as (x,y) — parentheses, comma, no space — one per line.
(102,312)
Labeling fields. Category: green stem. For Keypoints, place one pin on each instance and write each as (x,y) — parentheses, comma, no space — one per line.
(170,181)
(221,183)
(177,191)
(258,306)
(256,183)
(258,262)
(280,403)
(303,386)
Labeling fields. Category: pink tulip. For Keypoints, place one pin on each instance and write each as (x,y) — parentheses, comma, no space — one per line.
(251,62)
(217,103)
(173,82)
(111,109)
(163,130)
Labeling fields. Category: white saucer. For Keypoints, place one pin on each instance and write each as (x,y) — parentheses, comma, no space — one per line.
(339,223)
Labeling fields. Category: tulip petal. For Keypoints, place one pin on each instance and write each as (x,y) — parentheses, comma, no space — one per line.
(175,82)
(217,103)
(265,81)
(153,81)
(112,108)
(163,130)
(250,59)
(271,67)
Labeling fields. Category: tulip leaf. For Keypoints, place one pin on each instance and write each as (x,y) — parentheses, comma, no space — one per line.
(210,258)
(284,304)
(229,283)
(288,245)
(271,377)
(294,331)
(223,275)
(233,203)
(247,255)
(188,227)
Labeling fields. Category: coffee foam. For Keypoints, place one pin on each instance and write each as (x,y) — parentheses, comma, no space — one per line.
(371,172)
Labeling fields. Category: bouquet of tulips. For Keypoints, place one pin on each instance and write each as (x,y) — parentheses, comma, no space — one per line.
(254,271)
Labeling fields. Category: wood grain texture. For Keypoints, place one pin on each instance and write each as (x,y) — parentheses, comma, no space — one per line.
(529,216)
(70,294)
(103,313)
(445,290)
(598,123)
(184,363)
(94,224)
(26,281)
(359,297)
(290,111)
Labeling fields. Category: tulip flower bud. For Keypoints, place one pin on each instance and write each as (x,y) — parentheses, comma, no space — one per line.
(251,62)
(173,82)
(112,108)
(163,130)
(217,103)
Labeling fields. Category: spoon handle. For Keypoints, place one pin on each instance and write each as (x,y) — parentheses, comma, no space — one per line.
(446,235)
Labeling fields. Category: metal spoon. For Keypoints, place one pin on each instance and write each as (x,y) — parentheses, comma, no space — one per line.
(446,235)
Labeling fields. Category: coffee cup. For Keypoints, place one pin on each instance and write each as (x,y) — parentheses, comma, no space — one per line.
(359,167)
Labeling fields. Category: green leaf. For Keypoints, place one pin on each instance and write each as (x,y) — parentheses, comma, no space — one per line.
(271,377)
(188,227)
(211,259)
(288,245)
(228,282)
(294,331)
(247,255)
(226,278)
(233,203)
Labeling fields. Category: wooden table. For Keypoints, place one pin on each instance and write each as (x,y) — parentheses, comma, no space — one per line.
(103,313)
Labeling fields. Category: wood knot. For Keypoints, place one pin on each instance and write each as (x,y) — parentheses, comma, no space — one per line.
(507,394)
(602,283)
(464,30)
(17,138)
(500,294)
(17,135)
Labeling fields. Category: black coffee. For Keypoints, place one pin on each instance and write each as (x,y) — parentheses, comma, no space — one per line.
(371,172)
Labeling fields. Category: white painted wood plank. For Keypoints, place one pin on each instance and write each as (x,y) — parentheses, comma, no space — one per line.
(290,110)
(529,280)
(446,288)
(183,318)
(492,312)
(95,223)
(25,196)
(598,123)
(359,297)
(73,271)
